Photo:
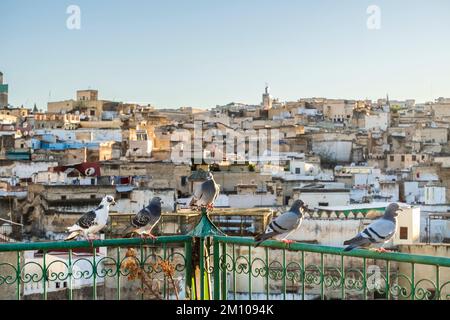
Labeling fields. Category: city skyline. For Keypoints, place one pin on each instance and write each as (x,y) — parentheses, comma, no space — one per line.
(202,55)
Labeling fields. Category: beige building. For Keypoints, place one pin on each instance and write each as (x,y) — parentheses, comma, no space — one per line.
(404,161)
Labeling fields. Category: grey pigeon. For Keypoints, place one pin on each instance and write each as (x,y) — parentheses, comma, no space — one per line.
(145,220)
(380,231)
(93,221)
(284,224)
(206,193)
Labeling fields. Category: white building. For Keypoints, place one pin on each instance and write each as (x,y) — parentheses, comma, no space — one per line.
(434,195)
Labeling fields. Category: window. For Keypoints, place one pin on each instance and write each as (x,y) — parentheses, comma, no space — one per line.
(391,158)
(58,285)
(63,197)
(404,233)
(183,181)
(403,158)
(93,196)
(414,158)
(323,204)
(92,113)
(65,284)
(125,195)
(92,181)
(423,157)
(297,170)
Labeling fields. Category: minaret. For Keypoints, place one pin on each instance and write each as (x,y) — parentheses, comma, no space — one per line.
(267,99)
(3,92)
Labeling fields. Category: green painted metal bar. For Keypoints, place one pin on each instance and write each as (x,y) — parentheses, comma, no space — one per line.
(388,280)
(57,245)
(267,273)
(216,256)
(303,275)
(94,274)
(44,275)
(250,273)
(70,270)
(342,278)
(188,268)
(165,291)
(18,276)
(142,264)
(437,294)
(400,257)
(234,271)
(118,265)
(283,280)
(322,278)
(413,282)
(224,274)
(202,269)
(364,279)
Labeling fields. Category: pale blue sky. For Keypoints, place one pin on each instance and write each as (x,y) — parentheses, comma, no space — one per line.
(206,52)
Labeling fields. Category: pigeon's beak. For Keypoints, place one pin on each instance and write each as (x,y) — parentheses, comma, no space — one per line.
(113,203)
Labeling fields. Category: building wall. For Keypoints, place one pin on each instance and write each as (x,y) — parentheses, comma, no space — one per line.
(312,199)
(403,161)
(377,121)
(23,169)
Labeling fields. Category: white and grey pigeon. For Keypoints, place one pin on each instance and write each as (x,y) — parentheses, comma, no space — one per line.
(378,232)
(91,222)
(206,193)
(285,224)
(145,220)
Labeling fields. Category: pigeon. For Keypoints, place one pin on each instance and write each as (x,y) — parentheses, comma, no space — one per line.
(380,231)
(91,222)
(206,193)
(284,224)
(145,220)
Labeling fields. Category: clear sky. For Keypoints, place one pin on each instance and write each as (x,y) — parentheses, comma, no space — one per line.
(202,53)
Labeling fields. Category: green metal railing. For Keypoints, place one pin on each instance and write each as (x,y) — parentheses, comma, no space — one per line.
(80,262)
(308,271)
(206,264)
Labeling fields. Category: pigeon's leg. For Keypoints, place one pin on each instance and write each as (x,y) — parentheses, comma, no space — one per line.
(382,250)
(88,238)
(287,241)
(143,235)
(152,236)
(210,206)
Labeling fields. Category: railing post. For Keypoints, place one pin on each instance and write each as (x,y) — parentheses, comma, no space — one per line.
(18,275)
(224,272)
(203,230)
(188,270)
(216,280)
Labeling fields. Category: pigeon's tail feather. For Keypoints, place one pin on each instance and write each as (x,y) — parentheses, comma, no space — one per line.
(358,241)
(193,202)
(73,235)
(260,238)
(74,228)
(349,248)
(128,231)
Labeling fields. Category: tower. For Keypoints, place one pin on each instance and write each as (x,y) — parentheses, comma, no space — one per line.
(3,92)
(267,99)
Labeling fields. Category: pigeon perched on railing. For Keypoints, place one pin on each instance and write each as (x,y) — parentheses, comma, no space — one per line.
(284,224)
(378,232)
(91,222)
(145,220)
(205,193)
